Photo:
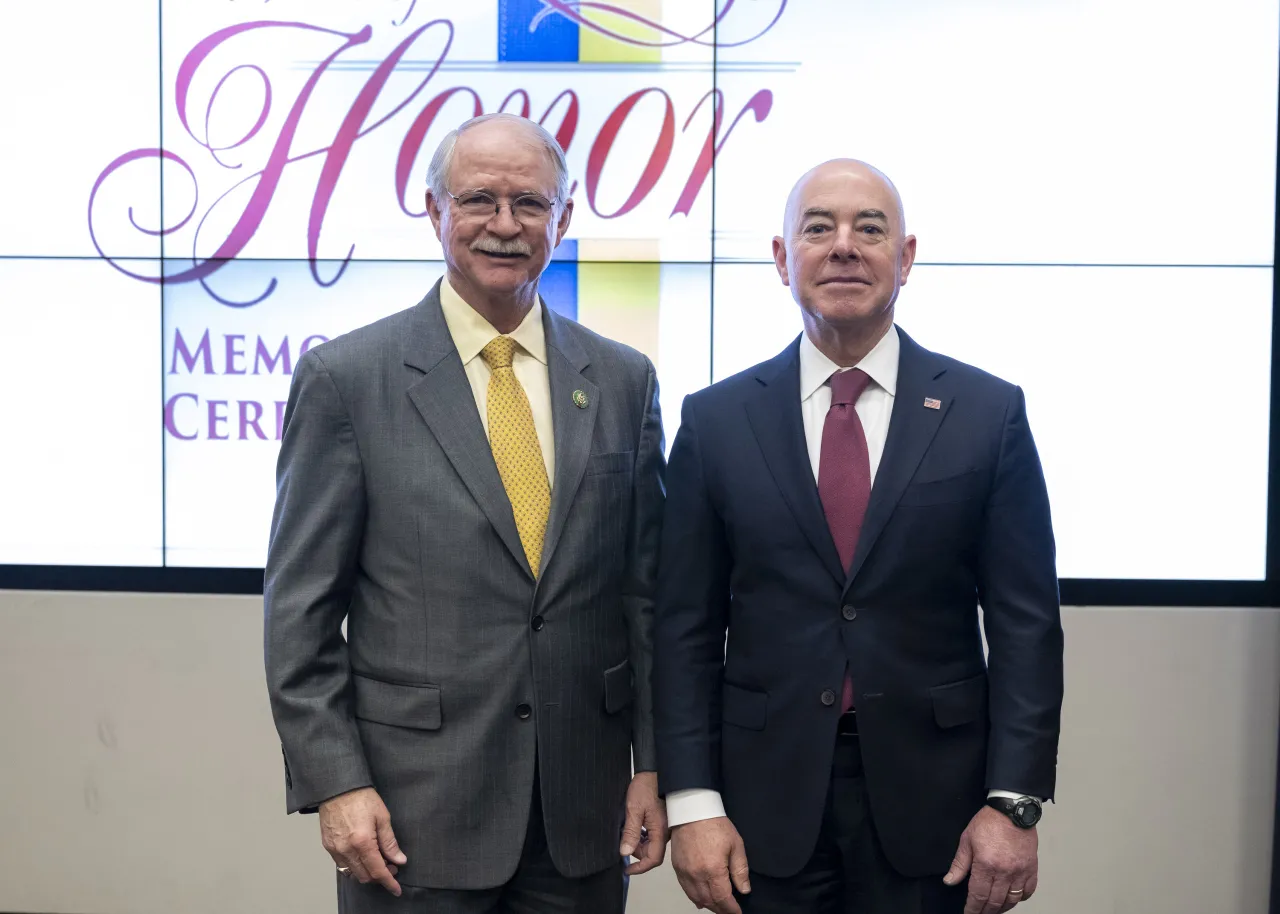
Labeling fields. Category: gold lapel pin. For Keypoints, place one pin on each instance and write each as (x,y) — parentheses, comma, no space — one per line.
(580,399)
(931,403)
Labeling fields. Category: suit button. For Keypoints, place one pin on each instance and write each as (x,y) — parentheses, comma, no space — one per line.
(538,622)
(828,697)
(523,711)
(849,613)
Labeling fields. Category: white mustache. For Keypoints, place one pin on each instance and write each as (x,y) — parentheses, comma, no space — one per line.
(490,245)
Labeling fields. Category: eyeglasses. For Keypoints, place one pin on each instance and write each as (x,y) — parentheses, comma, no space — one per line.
(529,209)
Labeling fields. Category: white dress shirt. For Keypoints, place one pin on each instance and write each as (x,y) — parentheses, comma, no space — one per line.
(874,408)
(471,333)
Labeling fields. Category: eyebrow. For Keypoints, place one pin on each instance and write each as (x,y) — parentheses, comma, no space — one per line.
(819,212)
(494,194)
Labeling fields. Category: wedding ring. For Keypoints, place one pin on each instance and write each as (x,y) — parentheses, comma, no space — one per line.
(1015,892)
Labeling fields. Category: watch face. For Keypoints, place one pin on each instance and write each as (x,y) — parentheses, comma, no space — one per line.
(1027,814)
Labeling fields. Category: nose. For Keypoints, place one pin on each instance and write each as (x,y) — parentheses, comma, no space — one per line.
(503,223)
(844,245)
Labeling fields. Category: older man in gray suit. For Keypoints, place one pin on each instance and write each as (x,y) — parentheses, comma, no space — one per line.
(475,486)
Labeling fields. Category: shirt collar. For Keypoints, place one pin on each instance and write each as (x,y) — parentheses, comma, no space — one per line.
(471,332)
(881,363)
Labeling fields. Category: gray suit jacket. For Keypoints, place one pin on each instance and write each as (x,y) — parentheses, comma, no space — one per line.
(459,672)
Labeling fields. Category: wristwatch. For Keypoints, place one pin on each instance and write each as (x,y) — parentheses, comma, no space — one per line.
(1024,812)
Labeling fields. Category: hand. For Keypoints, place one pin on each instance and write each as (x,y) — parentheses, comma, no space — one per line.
(710,861)
(1001,861)
(355,828)
(644,833)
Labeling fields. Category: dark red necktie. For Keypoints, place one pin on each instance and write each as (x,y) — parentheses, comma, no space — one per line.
(844,475)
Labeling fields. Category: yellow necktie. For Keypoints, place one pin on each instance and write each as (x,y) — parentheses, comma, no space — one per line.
(514,441)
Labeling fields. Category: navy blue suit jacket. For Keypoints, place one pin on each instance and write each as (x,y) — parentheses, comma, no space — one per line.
(958,517)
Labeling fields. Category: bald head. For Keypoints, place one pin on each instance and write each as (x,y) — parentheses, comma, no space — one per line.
(822,180)
(844,252)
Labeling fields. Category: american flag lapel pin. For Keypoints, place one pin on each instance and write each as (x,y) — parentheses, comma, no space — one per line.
(931,403)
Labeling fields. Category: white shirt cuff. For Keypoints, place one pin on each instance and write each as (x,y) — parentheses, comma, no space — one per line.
(693,805)
(1009,794)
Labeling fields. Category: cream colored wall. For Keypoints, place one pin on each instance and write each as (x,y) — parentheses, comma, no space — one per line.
(139,772)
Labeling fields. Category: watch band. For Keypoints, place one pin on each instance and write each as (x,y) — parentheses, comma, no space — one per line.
(1023,812)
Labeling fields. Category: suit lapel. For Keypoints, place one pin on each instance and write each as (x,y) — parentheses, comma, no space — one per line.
(776,420)
(912,426)
(444,398)
(574,425)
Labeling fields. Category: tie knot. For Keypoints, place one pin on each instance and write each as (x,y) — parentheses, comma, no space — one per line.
(499,353)
(847,386)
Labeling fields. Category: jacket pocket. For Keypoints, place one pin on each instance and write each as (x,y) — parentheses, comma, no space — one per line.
(942,491)
(397,704)
(600,464)
(744,707)
(617,687)
(958,703)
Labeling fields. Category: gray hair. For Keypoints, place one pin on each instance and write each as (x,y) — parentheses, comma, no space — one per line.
(442,161)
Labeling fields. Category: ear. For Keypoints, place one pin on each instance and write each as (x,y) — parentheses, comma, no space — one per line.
(562,226)
(433,210)
(780,259)
(908,258)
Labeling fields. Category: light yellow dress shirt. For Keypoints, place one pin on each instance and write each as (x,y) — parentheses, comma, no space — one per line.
(471,333)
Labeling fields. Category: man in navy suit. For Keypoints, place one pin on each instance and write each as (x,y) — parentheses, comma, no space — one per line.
(841,511)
